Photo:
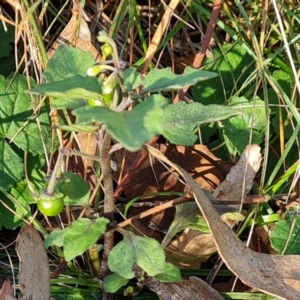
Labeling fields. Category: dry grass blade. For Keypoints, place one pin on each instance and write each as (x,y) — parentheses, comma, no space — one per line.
(273,274)
(165,21)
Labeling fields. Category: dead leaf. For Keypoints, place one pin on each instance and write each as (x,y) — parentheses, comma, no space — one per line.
(198,160)
(190,249)
(7,291)
(192,289)
(34,274)
(77,34)
(244,171)
(273,274)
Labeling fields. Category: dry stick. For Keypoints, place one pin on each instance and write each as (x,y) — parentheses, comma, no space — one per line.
(205,44)
(172,203)
(109,203)
(196,64)
(154,210)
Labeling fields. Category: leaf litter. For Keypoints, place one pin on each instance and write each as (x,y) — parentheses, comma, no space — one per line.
(273,274)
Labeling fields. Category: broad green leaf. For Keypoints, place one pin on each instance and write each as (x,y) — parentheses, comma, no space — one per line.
(7,61)
(186,216)
(237,130)
(149,254)
(171,273)
(7,38)
(233,64)
(113,282)
(180,119)
(37,176)
(21,191)
(10,220)
(121,259)
(82,234)
(55,238)
(132,79)
(145,252)
(154,116)
(67,62)
(18,121)
(164,80)
(79,190)
(11,166)
(71,89)
(131,128)
(286,235)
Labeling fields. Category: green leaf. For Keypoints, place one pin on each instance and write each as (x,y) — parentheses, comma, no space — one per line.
(10,220)
(55,238)
(237,130)
(186,216)
(11,166)
(131,128)
(82,234)
(121,259)
(17,118)
(180,119)
(7,39)
(149,254)
(21,191)
(154,116)
(7,61)
(132,79)
(164,80)
(67,62)
(233,64)
(113,282)
(287,232)
(171,273)
(79,190)
(145,252)
(71,89)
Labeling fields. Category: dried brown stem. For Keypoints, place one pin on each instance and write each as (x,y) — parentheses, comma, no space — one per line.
(109,203)
(205,44)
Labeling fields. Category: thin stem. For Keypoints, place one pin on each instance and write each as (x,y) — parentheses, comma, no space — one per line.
(55,174)
(109,201)
(109,204)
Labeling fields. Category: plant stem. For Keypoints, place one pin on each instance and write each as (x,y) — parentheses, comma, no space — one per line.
(56,173)
(109,203)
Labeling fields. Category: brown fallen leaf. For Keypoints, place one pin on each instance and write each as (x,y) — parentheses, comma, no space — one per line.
(190,249)
(77,34)
(34,273)
(273,274)
(244,171)
(198,160)
(192,289)
(7,291)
